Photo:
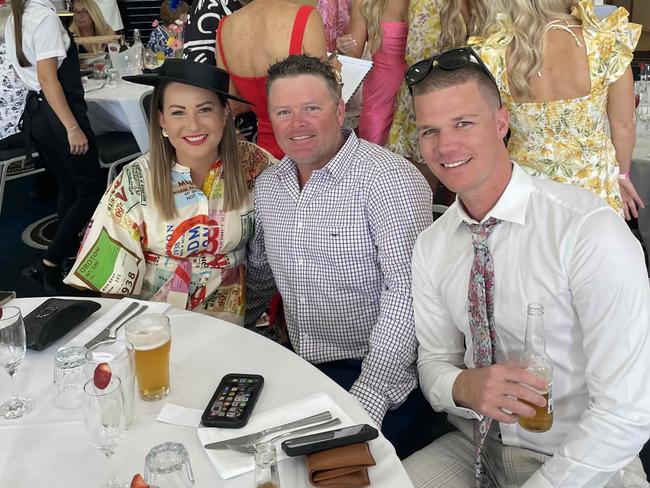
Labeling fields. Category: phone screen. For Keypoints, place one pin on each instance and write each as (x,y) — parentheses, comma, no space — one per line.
(325,436)
(235,396)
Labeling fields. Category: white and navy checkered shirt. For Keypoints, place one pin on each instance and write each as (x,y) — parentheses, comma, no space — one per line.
(340,253)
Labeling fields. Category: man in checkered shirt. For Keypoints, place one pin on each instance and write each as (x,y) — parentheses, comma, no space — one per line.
(336,221)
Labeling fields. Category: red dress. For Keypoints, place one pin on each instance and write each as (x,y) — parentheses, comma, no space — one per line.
(253,88)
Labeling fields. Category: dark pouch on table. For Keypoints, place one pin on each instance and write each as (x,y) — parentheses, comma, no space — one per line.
(54,318)
(341,467)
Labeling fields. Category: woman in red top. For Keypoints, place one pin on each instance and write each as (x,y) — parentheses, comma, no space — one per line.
(252,39)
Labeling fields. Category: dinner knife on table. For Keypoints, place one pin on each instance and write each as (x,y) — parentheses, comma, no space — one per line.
(103,335)
(256,436)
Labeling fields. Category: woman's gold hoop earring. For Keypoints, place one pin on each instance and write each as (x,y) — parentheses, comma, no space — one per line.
(164,133)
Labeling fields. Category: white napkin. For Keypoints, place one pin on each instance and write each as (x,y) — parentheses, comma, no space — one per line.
(177,415)
(231,463)
(98,325)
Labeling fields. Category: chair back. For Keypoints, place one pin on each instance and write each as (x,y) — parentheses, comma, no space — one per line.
(146,105)
(99,39)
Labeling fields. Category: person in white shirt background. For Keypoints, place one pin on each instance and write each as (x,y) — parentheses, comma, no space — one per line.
(55,122)
(550,243)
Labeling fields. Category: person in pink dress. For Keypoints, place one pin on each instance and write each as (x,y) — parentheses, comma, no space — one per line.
(383,24)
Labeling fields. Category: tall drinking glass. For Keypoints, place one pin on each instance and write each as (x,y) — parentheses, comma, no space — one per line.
(12,352)
(151,337)
(119,356)
(104,419)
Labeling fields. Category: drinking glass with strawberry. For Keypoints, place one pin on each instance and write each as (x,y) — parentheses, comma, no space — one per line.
(104,414)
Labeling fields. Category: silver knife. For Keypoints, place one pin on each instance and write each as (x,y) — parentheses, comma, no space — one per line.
(256,436)
(113,333)
(107,330)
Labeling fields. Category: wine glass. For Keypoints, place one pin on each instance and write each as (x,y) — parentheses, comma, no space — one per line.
(104,419)
(12,352)
(150,60)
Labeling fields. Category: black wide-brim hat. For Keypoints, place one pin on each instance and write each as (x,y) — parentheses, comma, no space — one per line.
(190,73)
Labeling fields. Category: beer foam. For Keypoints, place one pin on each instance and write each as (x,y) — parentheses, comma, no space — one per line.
(149,337)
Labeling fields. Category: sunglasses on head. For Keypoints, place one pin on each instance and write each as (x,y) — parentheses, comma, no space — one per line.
(448,60)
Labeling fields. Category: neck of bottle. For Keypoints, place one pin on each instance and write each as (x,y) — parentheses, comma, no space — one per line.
(535,341)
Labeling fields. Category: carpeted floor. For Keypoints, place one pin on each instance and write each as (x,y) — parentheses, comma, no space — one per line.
(19,210)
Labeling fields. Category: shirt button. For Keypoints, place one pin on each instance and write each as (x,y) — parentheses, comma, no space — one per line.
(301,299)
(301,261)
(299,225)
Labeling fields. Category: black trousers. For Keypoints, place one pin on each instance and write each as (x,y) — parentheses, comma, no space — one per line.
(78,176)
(14,141)
(409,428)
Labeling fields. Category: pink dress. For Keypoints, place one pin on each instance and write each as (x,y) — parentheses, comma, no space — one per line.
(336,17)
(382,83)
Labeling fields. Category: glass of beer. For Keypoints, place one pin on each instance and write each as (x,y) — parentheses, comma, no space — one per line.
(151,337)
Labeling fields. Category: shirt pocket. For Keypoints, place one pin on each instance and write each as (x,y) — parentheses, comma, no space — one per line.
(346,255)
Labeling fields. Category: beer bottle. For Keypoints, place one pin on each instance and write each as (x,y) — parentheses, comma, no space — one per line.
(536,361)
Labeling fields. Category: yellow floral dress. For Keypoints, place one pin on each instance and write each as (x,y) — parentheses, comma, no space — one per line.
(566,140)
(422,41)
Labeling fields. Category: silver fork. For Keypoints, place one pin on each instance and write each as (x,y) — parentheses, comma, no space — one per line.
(113,334)
(250,448)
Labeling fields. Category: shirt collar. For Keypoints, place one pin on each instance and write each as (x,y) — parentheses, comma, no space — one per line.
(511,206)
(336,166)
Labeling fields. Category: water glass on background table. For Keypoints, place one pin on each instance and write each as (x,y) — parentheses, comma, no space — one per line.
(12,352)
(112,78)
(149,58)
(104,420)
(99,70)
(120,358)
(151,337)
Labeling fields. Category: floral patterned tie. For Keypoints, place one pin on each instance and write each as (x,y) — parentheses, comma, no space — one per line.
(481,324)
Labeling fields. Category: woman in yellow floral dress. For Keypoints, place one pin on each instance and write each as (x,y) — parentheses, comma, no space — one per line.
(567,74)
(426,37)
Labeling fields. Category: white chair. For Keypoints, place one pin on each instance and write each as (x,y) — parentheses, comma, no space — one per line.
(17,158)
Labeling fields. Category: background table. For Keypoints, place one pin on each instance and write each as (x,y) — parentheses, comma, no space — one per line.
(50,447)
(120,109)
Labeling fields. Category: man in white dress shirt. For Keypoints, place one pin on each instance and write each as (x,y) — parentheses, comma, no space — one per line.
(548,243)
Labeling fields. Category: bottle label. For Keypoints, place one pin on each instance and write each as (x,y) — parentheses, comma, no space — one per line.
(549,398)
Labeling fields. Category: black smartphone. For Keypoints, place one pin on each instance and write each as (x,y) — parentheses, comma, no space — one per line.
(233,401)
(328,440)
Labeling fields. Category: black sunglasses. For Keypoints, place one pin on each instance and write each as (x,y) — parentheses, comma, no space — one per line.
(448,60)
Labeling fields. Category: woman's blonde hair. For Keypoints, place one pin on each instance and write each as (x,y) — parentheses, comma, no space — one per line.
(529,18)
(372,12)
(162,157)
(455,31)
(100,27)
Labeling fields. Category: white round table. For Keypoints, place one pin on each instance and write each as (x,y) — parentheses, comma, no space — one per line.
(50,447)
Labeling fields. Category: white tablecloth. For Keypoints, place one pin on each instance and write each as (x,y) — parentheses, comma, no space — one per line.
(50,447)
(120,109)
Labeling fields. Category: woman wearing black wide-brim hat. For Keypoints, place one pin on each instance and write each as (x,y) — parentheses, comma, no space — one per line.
(174,225)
